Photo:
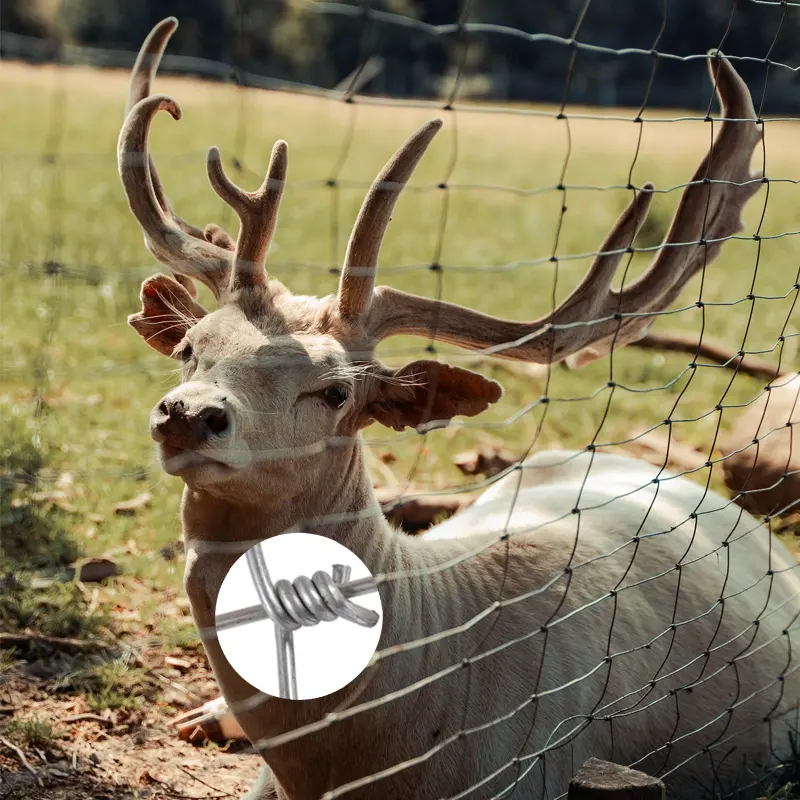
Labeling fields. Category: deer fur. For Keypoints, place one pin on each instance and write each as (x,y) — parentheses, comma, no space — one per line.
(586,605)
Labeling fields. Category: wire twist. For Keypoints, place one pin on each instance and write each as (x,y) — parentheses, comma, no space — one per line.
(303,602)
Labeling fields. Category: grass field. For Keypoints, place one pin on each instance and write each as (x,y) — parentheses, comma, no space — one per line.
(78,383)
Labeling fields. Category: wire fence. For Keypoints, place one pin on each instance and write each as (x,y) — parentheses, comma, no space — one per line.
(586,606)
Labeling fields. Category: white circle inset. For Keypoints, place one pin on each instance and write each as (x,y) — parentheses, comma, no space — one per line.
(328,655)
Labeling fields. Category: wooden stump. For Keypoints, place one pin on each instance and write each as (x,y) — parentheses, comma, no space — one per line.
(602,780)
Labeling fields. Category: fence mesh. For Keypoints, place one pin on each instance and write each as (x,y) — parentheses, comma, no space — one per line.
(505,217)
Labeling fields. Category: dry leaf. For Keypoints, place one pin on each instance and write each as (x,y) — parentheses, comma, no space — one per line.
(179,663)
(94,570)
(417,513)
(146,778)
(484,462)
(130,507)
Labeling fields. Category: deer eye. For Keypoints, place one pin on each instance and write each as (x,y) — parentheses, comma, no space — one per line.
(336,396)
(186,354)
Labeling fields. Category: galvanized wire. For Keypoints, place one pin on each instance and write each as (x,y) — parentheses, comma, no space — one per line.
(303,602)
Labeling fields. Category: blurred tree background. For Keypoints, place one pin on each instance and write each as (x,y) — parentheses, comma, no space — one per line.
(424,49)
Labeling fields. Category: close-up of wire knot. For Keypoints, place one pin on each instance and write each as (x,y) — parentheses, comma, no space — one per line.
(306,601)
(300,603)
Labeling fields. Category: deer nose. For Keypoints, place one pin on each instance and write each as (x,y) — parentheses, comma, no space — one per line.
(215,418)
(187,425)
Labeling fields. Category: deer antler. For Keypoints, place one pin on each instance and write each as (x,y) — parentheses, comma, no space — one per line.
(594,316)
(142,75)
(167,240)
(258,212)
(211,255)
(361,259)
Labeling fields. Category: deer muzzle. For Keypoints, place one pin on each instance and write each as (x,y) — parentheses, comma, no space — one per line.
(189,420)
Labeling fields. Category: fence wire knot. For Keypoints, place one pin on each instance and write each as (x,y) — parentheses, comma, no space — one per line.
(303,602)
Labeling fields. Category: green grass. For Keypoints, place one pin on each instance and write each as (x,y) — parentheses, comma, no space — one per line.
(81,383)
(8,660)
(177,635)
(59,610)
(34,534)
(33,731)
(35,538)
(78,383)
(113,684)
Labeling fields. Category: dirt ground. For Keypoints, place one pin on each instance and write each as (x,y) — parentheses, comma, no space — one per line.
(116,755)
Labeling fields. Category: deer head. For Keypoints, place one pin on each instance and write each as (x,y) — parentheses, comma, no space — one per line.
(269,375)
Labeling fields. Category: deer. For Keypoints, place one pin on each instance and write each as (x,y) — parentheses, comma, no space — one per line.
(587,605)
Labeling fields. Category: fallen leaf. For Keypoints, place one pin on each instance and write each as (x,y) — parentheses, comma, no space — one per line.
(146,778)
(130,507)
(484,462)
(94,570)
(179,663)
(417,513)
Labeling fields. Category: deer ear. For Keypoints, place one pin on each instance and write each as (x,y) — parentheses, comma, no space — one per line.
(168,311)
(428,392)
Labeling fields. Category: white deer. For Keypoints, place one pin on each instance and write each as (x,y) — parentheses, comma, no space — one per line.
(587,605)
